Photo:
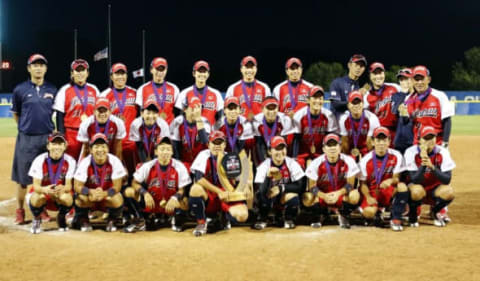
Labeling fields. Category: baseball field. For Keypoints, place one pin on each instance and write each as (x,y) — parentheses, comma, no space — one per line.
(329,253)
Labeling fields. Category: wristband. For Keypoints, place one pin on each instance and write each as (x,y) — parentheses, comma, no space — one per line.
(348,187)
(142,191)
(281,187)
(315,191)
(85,190)
(177,196)
(111,191)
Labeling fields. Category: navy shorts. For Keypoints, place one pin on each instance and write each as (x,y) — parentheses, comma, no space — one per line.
(27,147)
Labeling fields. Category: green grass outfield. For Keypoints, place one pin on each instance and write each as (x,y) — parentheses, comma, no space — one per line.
(463,125)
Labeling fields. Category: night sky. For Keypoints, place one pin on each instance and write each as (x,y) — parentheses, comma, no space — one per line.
(433,33)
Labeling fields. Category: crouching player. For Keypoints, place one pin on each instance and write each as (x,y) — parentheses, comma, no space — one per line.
(97,184)
(158,188)
(430,169)
(380,181)
(280,179)
(207,195)
(52,174)
(331,180)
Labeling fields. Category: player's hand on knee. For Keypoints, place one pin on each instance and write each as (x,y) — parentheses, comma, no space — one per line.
(149,202)
(371,200)
(172,204)
(223,195)
(386,183)
(274,191)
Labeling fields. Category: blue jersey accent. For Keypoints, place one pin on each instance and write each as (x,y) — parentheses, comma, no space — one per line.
(339,89)
(33,104)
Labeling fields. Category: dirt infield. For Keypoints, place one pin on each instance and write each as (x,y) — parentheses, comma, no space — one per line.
(361,253)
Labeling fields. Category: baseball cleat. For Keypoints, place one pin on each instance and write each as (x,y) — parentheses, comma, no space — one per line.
(62,223)
(175,227)
(259,225)
(316,224)
(289,224)
(20,216)
(45,217)
(396,225)
(438,220)
(86,226)
(36,226)
(110,226)
(414,224)
(444,213)
(200,229)
(343,221)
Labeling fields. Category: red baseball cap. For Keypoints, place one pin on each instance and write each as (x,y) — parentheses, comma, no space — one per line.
(79,62)
(248,59)
(151,103)
(376,65)
(357,58)
(427,130)
(231,100)
(316,89)
(159,61)
(405,72)
(162,139)
(194,101)
(56,135)
(277,141)
(292,61)
(36,57)
(268,101)
(215,135)
(117,67)
(199,64)
(381,131)
(330,137)
(98,136)
(102,102)
(420,70)
(355,95)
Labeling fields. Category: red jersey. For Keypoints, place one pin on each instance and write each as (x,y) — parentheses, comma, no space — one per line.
(284,126)
(380,103)
(357,135)
(290,170)
(40,170)
(440,157)
(313,131)
(292,97)
(189,138)
(74,102)
(340,172)
(95,176)
(429,109)
(212,101)
(164,95)
(122,104)
(250,95)
(147,136)
(114,129)
(393,165)
(244,132)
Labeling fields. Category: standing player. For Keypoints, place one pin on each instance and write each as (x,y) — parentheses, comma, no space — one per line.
(207,195)
(122,105)
(249,91)
(356,127)
(102,121)
(429,107)
(280,181)
(380,181)
(52,174)
(164,93)
(98,180)
(340,87)
(189,132)
(292,94)
(237,129)
(404,132)
(379,99)
(430,169)
(32,110)
(74,102)
(268,124)
(211,99)
(312,123)
(159,187)
(145,130)
(331,183)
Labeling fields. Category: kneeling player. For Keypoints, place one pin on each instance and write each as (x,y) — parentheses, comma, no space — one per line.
(159,187)
(380,176)
(281,180)
(52,174)
(331,180)
(430,169)
(98,181)
(207,195)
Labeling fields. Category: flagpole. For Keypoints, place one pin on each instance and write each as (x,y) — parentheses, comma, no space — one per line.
(143,55)
(75,53)
(109,60)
